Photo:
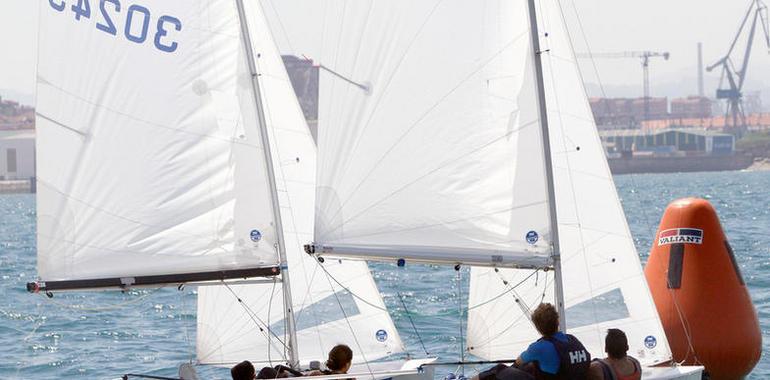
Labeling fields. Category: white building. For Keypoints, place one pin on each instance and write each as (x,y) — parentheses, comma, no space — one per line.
(17,154)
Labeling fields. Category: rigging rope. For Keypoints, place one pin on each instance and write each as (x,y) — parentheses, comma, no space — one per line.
(460,307)
(329,276)
(571,180)
(517,298)
(256,319)
(104,308)
(28,336)
(515,322)
(350,326)
(505,292)
(648,224)
(184,323)
(269,310)
(419,338)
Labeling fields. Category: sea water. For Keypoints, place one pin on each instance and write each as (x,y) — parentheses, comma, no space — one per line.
(104,335)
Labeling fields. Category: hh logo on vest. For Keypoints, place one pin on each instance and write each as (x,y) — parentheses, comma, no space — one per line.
(578,357)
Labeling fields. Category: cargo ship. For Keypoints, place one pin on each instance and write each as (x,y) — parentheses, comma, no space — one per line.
(671,150)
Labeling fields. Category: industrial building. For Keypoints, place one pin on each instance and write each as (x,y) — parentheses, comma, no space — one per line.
(667,142)
(17,154)
(622,113)
(627,112)
(754,122)
(693,107)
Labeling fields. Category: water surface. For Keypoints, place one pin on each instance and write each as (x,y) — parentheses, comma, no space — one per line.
(153,331)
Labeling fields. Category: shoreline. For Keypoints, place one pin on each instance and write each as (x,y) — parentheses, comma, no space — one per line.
(759,165)
(15,186)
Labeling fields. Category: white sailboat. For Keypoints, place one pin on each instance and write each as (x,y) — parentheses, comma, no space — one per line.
(456,133)
(171,150)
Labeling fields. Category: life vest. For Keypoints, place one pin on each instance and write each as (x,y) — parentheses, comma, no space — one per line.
(611,374)
(574,360)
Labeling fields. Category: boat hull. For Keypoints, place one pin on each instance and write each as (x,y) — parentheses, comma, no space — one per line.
(672,373)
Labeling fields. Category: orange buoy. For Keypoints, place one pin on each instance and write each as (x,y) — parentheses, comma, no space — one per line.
(700,295)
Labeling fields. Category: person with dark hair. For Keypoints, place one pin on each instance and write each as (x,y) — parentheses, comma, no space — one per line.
(278,372)
(267,373)
(617,365)
(555,355)
(339,362)
(340,359)
(243,371)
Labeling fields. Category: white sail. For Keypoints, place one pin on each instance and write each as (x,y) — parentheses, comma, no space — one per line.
(343,306)
(434,153)
(327,314)
(604,284)
(149,159)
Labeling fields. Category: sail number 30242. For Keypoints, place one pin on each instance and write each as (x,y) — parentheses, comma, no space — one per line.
(137,21)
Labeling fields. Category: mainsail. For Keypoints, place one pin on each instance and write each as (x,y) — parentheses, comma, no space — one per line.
(434,152)
(149,156)
(333,302)
(151,164)
(430,150)
(603,281)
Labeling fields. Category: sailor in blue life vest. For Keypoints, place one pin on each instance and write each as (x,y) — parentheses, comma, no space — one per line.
(555,356)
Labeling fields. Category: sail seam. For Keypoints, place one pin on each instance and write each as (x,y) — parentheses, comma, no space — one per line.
(88,245)
(386,87)
(426,113)
(99,106)
(432,171)
(449,222)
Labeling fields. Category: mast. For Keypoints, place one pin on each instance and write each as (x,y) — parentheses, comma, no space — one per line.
(540,88)
(286,284)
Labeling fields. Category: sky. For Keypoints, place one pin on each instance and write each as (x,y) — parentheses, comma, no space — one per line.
(675,26)
(18,48)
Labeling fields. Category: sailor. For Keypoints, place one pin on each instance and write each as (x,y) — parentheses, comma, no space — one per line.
(617,365)
(555,355)
(243,371)
(339,362)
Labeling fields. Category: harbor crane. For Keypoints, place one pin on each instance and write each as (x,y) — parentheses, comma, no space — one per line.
(736,75)
(644,56)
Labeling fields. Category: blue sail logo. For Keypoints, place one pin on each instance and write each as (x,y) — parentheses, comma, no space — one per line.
(255,235)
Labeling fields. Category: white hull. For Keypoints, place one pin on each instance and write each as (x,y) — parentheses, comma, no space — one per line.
(397,370)
(671,373)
